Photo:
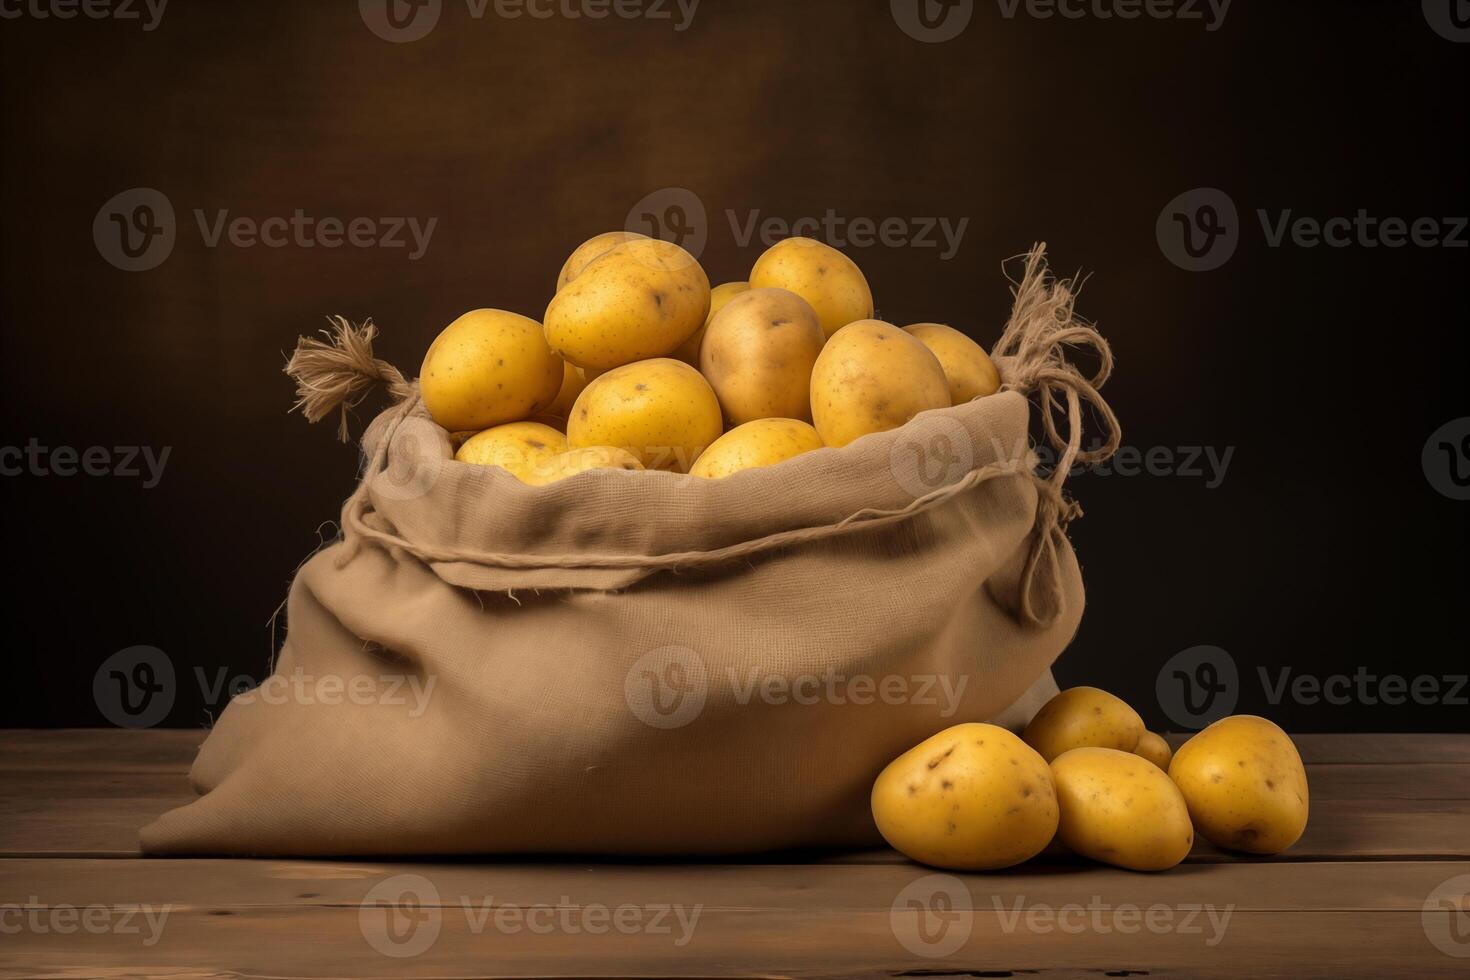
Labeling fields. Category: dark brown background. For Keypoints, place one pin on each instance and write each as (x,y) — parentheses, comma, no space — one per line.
(1325,549)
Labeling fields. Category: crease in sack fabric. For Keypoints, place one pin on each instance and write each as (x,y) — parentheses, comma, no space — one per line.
(644,662)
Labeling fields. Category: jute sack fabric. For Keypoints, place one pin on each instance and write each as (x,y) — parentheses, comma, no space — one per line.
(649,663)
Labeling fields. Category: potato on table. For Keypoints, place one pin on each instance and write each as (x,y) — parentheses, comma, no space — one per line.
(521,448)
(973,798)
(1245,785)
(688,351)
(1083,716)
(968,369)
(591,249)
(1120,809)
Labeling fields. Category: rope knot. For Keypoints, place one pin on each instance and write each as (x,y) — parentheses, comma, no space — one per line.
(339,372)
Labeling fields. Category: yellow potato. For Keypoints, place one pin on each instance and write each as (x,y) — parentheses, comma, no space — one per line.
(639,300)
(1152,747)
(1120,809)
(758,356)
(872,377)
(1083,716)
(575,461)
(1245,785)
(660,410)
(591,249)
(519,447)
(764,442)
(488,367)
(688,351)
(967,367)
(818,273)
(974,797)
(574,379)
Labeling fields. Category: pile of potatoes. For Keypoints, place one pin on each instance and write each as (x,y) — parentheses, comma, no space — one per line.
(1086,777)
(640,365)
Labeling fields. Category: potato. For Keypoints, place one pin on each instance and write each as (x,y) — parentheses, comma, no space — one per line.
(688,351)
(974,797)
(661,410)
(1245,785)
(872,377)
(967,367)
(639,300)
(1120,809)
(1083,716)
(574,379)
(764,442)
(519,447)
(818,273)
(1152,747)
(575,461)
(488,367)
(591,249)
(758,355)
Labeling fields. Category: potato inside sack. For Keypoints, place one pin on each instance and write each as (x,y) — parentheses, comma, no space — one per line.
(641,299)
(872,377)
(591,249)
(661,410)
(489,367)
(758,354)
(764,442)
(521,448)
(830,281)
(968,369)
(688,351)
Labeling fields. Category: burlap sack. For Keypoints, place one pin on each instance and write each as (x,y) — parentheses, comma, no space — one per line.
(648,663)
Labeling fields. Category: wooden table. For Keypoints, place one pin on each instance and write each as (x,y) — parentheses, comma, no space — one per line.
(1379,886)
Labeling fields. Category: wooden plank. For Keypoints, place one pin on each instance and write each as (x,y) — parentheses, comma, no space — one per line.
(306,919)
(1374,748)
(172,750)
(76,818)
(99,749)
